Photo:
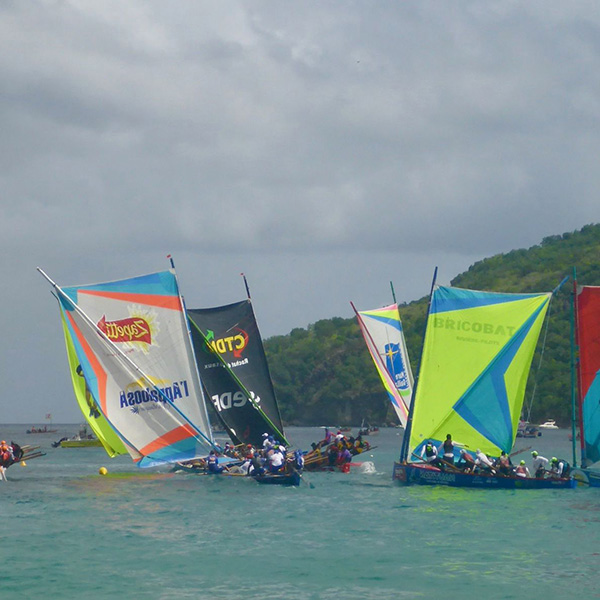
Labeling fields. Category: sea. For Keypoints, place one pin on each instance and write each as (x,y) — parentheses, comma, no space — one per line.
(69,532)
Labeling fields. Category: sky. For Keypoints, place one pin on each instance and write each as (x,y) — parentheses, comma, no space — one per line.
(322,148)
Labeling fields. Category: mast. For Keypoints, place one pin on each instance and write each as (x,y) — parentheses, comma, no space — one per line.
(407,430)
(573,371)
(577,367)
(191,349)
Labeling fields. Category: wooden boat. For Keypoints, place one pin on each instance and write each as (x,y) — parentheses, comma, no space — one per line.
(292,478)
(43,429)
(424,474)
(477,353)
(81,443)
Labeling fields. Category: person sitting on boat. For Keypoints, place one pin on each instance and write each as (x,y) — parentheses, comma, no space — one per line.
(429,453)
(448,449)
(298,460)
(559,468)
(521,470)
(343,457)
(483,462)
(539,464)
(332,454)
(276,460)
(7,457)
(466,462)
(268,442)
(503,464)
(256,465)
(213,464)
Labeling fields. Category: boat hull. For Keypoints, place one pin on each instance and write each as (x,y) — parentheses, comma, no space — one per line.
(409,474)
(80,444)
(284,479)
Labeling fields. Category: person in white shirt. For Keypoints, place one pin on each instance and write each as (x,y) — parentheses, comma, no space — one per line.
(539,464)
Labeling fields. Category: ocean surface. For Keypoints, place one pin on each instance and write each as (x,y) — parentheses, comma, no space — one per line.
(68,532)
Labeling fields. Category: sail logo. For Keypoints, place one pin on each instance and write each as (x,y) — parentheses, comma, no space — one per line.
(132,398)
(237,399)
(462,325)
(235,343)
(132,329)
(395,366)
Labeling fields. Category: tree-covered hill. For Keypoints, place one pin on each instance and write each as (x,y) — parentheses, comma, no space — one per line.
(323,374)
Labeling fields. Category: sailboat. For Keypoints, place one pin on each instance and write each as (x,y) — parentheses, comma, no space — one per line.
(476,357)
(129,339)
(235,374)
(234,371)
(587,332)
(383,334)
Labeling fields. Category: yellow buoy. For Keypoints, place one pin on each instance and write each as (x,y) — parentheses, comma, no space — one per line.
(23,463)
(103,470)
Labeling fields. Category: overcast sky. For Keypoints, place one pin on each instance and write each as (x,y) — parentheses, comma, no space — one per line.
(322,148)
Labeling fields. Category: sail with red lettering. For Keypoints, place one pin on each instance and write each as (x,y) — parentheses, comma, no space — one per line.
(131,340)
(234,371)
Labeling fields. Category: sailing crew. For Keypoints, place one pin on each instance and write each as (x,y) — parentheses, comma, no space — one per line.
(521,470)
(559,468)
(466,462)
(483,462)
(276,460)
(503,464)
(539,464)
(213,464)
(430,454)
(448,448)
(343,457)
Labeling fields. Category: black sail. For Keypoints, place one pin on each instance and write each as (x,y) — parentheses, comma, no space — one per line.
(234,371)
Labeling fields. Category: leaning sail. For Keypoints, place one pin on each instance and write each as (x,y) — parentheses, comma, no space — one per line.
(234,370)
(382,331)
(588,340)
(132,343)
(100,426)
(476,358)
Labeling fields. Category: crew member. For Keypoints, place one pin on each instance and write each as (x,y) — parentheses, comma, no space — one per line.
(539,465)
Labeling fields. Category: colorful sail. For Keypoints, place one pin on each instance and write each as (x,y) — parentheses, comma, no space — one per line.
(132,343)
(234,371)
(588,340)
(476,358)
(383,334)
(104,432)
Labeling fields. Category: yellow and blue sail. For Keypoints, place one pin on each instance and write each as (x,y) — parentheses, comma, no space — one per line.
(131,344)
(384,337)
(476,359)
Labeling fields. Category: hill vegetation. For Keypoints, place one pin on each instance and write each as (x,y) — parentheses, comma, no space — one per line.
(323,375)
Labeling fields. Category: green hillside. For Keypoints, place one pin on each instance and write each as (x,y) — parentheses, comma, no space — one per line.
(323,374)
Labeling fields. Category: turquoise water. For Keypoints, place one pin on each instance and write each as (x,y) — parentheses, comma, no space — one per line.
(71,533)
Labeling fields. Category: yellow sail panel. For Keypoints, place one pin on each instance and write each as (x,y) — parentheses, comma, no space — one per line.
(476,358)
(99,425)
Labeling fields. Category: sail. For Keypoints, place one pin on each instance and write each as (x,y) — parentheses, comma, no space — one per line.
(234,370)
(383,334)
(99,425)
(132,343)
(588,340)
(476,358)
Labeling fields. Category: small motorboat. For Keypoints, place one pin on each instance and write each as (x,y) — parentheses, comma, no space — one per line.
(550,424)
